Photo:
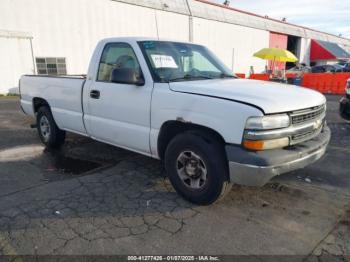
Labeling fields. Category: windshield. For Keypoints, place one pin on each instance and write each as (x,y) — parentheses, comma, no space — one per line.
(171,61)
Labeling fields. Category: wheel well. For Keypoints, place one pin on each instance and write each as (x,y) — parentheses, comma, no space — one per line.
(172,128)
(39,102)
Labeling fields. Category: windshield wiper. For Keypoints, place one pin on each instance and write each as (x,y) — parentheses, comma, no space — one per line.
(190,77)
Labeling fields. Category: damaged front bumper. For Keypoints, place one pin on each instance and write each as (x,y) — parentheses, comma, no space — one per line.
(256,168)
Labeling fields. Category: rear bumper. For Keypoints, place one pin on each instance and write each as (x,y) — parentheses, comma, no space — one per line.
(344,107)
(257,168)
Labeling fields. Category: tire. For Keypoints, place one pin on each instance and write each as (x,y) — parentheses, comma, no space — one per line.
(50,135)
(191,155)
(343,112)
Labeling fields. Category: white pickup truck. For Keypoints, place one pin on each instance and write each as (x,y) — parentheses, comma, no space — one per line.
(177,102)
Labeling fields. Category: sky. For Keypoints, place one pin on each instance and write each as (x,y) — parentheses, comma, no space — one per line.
(332,16)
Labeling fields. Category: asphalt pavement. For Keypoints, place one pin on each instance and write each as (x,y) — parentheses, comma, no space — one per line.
(94,199)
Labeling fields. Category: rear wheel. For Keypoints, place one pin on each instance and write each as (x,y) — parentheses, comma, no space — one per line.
(197,167)
(49,133)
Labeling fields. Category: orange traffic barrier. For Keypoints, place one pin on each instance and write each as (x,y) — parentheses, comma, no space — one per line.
(328,83)
(307,81)
(291,75)
(240,75)
(331,83)
(340,83)
(264,77)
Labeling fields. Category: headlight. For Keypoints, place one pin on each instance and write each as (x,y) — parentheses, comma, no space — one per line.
(268,122)
(261,123)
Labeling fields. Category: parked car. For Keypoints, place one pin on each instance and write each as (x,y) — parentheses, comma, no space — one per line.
(298,70)
(345,103)
(177,102)
(343,63)
(327,68)
(346,67)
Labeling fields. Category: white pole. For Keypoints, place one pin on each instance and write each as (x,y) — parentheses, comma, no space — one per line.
(190,22)
(233,60)
(156,19)
(33,57)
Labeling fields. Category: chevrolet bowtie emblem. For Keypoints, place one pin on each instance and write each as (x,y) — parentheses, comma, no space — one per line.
(317,124)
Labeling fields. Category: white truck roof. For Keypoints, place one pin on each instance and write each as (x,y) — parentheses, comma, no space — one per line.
(137,39)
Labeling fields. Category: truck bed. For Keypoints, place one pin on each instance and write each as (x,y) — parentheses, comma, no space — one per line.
(59,76)
(62,93)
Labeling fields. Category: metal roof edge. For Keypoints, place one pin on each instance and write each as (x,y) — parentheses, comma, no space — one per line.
(190,8)
(15,34)
(272,19)
(173,6)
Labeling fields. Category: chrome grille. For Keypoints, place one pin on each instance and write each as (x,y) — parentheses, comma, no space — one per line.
(301,137)
(312,118)
(308,115)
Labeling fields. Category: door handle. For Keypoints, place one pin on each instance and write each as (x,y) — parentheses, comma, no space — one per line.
(95,94)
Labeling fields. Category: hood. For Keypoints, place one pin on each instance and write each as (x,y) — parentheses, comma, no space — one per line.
(269,96)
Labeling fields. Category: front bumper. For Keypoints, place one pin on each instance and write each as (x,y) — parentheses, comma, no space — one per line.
(344,107)
(252,168)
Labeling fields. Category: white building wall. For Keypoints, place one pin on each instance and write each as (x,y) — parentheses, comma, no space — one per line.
(173,26)
(234,45)
(15,60)
(71,29)
(304,53)
(346,47)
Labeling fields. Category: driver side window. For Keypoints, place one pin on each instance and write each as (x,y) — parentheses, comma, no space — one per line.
(116,55)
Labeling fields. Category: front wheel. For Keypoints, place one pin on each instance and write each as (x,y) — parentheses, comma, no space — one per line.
(197,168)
(49,133)
(344,111)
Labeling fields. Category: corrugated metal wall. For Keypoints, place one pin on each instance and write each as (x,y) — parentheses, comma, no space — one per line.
(15,59)
(208,10)
(71,29)
(235,45)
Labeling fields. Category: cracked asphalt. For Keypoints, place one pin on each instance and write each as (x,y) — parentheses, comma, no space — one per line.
(91,199)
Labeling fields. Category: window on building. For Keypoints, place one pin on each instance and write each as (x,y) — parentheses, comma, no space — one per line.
(51,65)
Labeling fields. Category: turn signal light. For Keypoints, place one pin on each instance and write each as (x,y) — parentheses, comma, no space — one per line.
(254,145)
(258,145)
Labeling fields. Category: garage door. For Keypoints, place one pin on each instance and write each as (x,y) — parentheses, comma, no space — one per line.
(278,41)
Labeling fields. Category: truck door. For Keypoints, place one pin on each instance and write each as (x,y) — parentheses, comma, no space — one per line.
(118,113)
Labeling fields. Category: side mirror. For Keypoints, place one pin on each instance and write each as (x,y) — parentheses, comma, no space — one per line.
(127,76)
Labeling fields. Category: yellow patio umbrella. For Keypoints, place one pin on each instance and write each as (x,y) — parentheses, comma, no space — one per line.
(276,54)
